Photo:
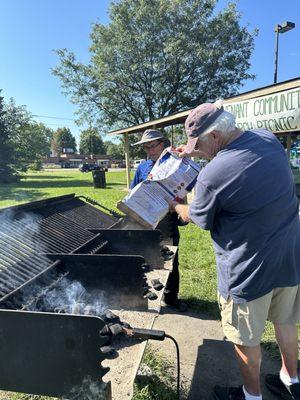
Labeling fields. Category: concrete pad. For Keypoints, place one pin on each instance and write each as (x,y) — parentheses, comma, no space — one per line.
(206,358)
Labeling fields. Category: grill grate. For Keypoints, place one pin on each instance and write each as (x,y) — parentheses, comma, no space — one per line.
(51,226)
(83,214)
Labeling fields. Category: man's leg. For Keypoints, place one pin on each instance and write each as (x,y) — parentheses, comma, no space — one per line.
(286,383)
(287,339)
(284,312)
(243,325)
(249,360)
(172,286)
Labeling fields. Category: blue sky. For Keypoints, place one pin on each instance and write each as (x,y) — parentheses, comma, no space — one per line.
(31,29)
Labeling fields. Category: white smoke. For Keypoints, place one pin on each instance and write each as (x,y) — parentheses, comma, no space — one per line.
(22,231)
(68,297)
(89,390)
(19,241)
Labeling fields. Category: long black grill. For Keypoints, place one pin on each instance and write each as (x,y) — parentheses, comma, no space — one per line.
(43,244)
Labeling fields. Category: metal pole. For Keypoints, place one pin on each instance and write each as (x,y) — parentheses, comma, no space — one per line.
(276,52)
(127,158)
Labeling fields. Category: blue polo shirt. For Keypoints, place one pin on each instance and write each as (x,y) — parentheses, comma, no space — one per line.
(142,172)
(246,197)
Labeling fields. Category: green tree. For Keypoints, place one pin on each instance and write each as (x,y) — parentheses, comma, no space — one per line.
(155,58)
(18,119)
(91,142)
(63,139)
(32,143)
(7,172)
(116,150)
(135,151)
(176,134)
(27,140)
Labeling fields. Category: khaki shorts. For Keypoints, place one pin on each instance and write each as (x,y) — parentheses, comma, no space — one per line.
(244,323)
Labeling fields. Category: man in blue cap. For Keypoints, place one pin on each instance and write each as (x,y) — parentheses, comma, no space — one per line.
(154,142)
(246,198)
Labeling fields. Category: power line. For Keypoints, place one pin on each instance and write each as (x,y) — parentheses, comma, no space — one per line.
(73,126)
(50,116)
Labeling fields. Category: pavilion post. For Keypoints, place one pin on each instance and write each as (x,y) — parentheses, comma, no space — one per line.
(127,158)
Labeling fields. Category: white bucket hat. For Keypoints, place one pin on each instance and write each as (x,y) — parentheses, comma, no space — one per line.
(150,135)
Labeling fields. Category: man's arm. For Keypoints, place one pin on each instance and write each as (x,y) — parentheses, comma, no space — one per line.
(201,211)
(137,178)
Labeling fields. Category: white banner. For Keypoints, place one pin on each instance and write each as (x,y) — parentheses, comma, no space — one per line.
(278,112)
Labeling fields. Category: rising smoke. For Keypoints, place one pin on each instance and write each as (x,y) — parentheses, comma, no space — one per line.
(90,390)
(72,298)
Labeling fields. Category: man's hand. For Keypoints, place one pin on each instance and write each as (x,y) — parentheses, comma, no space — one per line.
(181,209)
(181,152)
(179,149)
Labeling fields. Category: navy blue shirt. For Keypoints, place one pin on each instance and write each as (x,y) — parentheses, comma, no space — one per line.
(142,172)
(246,197)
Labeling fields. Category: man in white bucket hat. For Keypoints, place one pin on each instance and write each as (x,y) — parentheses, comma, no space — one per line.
(154,142)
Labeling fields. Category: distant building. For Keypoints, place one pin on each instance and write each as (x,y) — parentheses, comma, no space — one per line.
(72,160)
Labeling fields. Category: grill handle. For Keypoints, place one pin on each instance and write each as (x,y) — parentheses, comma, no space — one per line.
(146,334)
(96,203)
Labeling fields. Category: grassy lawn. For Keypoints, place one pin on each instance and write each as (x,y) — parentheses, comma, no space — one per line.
(38,185)
(197,261)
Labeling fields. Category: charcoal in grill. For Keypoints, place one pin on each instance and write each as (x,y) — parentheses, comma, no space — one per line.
(110,317)
(167,254)
(106,335)
(157,285)
(109,352)
(151,295)
(116,329)
(146,267)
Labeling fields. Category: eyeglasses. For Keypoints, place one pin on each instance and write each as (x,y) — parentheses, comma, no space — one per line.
(153,146)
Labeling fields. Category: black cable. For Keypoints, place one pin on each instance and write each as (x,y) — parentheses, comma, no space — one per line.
(152,334)
(178,364)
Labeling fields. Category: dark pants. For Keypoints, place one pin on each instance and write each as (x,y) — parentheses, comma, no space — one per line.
(172,286)
(170,235)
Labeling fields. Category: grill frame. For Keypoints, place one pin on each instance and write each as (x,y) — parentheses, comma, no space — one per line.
(51,344)
(91,241)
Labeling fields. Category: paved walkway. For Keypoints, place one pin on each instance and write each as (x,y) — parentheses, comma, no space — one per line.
(206,358)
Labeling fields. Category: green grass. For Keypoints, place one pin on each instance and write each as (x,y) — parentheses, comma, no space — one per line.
(198,270)
(38,185)
(161,385)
